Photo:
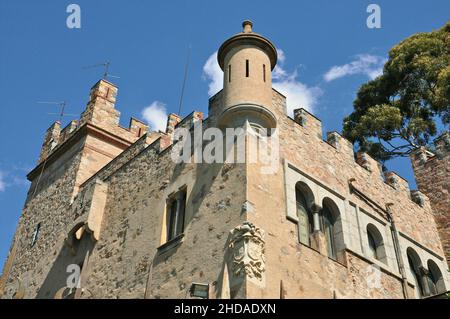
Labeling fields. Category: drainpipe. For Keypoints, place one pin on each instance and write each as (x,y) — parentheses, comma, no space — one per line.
(398,254)
(387,211)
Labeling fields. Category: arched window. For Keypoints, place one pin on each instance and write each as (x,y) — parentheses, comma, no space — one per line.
(305,219)
(328,228)
(435,278)
(372,245)
(376,244)
(414,267)
(332,229)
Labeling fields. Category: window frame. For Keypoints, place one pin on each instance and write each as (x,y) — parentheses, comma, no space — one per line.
(329,222)
(176,216)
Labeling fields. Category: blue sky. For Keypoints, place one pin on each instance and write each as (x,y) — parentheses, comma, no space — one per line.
(327,48)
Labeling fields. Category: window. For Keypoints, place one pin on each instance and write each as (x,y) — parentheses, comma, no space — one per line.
(305,220)
(372,245)
(376,244)
(435,279)
(332,230)
(229,73)
(247,71)
(176,206)
(328,228)
(264,73)
(35,234)
(414,267)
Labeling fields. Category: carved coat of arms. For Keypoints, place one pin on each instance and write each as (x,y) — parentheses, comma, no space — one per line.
(248,249)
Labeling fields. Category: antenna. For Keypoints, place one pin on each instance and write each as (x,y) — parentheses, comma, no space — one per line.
(186,68)
(106,65)
(61,114)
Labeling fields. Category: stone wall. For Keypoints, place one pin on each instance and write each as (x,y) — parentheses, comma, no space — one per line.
(308,272)
(432,172)
(241,233)
(129,262)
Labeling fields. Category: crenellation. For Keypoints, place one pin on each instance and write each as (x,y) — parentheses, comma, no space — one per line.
(68,130)
(366,161)
(138,127)
(397,182)
(100,109)
(214,104)
(51,140)
(341,144)
(418,197)
(442,144)
(172,121)
(307,120)
(189,121)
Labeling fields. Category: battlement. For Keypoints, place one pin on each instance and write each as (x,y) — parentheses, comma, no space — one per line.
(442,144)
(101,113)
(51,140)
(308,121)
(100,109)
(313,126)
(341,144)
(421,156)
(369,163)
(396,181)
(68,130)
(137,127)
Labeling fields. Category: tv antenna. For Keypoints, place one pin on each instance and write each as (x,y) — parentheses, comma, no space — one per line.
(106,66)
(186,69)
(62,113)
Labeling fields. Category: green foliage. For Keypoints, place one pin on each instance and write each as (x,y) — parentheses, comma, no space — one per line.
(397,111)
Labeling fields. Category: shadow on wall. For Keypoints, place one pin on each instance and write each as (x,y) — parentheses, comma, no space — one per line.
(74,252)
(205,176)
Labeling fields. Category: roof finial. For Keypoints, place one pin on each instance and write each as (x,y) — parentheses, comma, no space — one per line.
(247,25)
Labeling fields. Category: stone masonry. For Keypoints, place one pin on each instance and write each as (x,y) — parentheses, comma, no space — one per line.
(102,200)
(432,172)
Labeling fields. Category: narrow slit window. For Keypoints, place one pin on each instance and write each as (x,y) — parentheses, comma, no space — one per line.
(229,73)
(35,236)
(264,73)
(246,69)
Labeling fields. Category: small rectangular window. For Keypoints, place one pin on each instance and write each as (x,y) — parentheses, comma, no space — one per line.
(229,73)
(264,73)
(176,207)
(246,69)
(35,234)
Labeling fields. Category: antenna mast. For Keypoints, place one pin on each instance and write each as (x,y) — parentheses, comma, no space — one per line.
(62,113)
(186,69)
(106,65)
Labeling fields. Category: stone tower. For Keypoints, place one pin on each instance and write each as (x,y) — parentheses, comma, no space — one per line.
(432,172)
(247,60)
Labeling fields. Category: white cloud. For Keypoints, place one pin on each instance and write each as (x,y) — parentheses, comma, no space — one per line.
(214,74)
(369,65)
(297,94)
(156,115)
(20,181)
(2,182)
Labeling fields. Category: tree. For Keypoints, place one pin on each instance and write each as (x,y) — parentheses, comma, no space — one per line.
(399,110)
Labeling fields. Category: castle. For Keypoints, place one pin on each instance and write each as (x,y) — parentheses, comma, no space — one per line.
(110,211)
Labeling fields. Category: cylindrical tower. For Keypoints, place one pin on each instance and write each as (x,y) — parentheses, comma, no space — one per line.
(247,60)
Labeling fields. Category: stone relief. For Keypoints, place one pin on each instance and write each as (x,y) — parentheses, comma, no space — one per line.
(248,249)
